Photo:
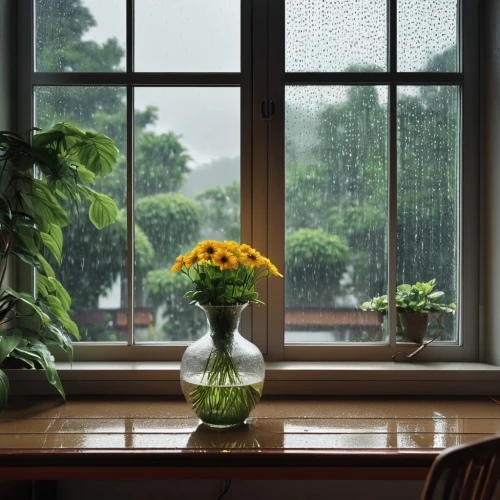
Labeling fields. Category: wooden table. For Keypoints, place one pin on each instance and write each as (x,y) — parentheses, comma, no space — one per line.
(299,438)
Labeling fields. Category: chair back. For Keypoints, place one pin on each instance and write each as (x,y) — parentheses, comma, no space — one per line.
(465,472)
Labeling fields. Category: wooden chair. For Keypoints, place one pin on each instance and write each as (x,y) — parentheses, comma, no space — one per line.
(465,472)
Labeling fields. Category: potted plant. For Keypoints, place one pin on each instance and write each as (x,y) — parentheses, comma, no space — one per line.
(417,306)
(33,210)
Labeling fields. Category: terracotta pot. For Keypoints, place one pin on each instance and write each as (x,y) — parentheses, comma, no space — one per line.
(414,326)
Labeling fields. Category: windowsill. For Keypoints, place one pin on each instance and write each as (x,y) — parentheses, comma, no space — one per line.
(287,378)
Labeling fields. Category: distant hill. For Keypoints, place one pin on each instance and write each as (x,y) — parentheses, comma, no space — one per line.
(216,173)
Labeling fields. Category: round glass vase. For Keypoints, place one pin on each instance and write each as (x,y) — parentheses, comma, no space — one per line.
(222,374)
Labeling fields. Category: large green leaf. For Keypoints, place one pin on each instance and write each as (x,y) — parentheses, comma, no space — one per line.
(4,390)
(61,339)
(86,175)
(9,341)
(29,300)
(38,351)
(61,293)
(98,153)
(56,308)
(46,205)
(52,245)
(103,211)
(46,266)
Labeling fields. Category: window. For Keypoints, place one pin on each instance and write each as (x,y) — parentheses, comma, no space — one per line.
(339,137)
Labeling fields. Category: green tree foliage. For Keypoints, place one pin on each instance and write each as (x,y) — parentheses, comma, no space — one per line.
(222,212)
(170,221)
(315,262)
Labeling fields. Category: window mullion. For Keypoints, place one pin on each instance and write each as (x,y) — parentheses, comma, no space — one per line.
(130,176)
(276,176)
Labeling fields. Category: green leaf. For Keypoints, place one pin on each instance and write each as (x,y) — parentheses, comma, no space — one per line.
(52,245)
(4,390)
(46,266)
(61,339)
(29,300)
(103,211)
(86,175)
(9,341)
(46,205)
(61,293)
(98,153)
(38,351)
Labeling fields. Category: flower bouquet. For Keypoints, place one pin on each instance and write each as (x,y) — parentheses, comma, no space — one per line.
(222,374)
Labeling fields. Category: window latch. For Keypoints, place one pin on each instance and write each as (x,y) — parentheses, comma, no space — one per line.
(267,110)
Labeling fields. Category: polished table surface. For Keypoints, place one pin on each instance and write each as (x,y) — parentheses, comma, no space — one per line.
(157,437)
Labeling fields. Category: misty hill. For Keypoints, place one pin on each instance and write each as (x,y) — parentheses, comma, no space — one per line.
(216,173)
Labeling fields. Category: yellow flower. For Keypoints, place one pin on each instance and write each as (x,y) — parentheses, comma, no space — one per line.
(192,257)
(207,248)
(249,256)
(272,268)
(225,259)
(179,262)
(232,246)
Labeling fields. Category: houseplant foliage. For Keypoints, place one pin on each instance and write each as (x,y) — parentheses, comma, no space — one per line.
(419,302)
(34,206)
(222,374)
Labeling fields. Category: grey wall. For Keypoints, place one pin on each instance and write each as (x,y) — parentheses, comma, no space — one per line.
(7,59)
(491,136)
(7,83)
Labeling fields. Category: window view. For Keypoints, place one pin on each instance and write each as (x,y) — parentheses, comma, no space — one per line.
(336,166)
(185,187)
(336,211)
(81,36)
(428,183)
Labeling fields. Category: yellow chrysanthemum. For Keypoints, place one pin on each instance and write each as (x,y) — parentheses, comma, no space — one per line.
(271,267)
(192,257)
(232,246)
(208,248)
(225,259)
(179,262)
(250,257)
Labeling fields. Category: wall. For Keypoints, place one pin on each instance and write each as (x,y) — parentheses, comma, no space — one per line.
(7,83)
(491,137)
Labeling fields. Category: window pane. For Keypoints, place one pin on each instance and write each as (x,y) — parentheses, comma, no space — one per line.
(427,35)
(81,35)
(94,267)
(336,212)
(187,188)
(187,36)
(336,35)
(428,188)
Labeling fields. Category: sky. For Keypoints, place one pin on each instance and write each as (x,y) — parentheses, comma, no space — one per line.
(203,35)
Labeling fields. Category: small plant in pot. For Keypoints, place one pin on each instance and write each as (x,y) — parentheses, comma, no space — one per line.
(418,305)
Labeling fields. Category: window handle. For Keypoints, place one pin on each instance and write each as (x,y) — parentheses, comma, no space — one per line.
(267,110)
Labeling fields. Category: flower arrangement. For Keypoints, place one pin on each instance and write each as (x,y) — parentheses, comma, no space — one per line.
(224,273)
(222,374)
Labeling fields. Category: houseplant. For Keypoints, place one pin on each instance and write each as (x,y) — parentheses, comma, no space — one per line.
(417,305)
(34,206)
(222,374)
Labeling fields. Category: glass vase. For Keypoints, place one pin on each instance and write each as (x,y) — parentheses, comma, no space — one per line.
(222,374)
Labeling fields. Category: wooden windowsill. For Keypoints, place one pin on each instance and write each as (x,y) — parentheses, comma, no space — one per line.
(159,437)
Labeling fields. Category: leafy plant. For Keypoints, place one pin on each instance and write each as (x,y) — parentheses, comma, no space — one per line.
(67,161)
(419,298)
